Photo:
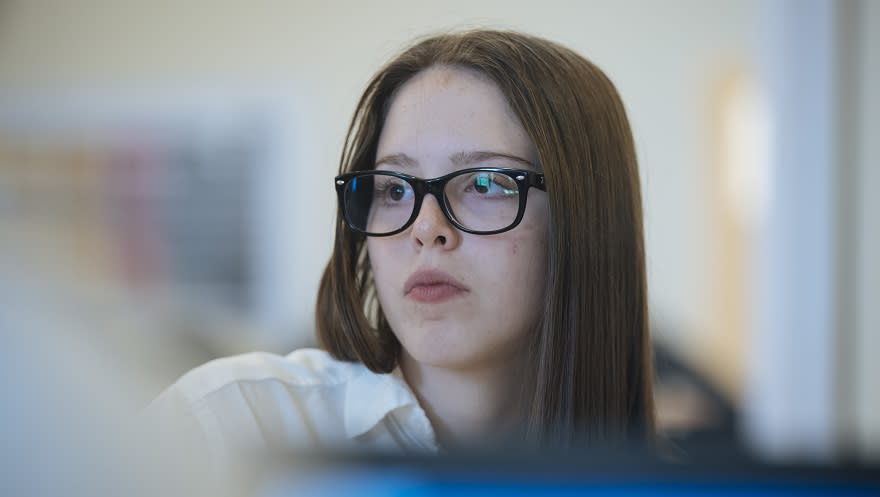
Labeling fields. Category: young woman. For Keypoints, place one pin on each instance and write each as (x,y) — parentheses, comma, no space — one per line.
(487,283)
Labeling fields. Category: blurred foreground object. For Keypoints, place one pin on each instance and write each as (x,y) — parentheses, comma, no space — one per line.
(604,472)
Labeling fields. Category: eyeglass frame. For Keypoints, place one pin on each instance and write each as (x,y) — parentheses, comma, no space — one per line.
(525,180)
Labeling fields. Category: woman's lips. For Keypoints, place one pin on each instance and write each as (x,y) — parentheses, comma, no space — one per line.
(432,286)
(434,293)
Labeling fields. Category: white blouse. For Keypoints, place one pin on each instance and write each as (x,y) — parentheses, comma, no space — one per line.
(304,401)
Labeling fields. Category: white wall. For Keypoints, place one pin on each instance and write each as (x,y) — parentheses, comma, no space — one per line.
(814,383)
(790,387)
(864,370)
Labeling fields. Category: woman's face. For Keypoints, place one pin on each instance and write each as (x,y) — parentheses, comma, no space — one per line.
(454,299)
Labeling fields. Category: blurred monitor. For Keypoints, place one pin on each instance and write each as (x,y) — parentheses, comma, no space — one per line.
(709,472)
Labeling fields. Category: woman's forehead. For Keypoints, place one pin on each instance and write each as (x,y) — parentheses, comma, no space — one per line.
(444,111)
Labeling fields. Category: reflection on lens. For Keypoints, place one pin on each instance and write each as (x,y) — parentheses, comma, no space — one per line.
(358,198)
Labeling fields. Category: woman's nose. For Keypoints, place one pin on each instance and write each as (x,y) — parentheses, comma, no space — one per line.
(432,229)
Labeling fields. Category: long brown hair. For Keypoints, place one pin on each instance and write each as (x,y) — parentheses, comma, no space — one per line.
(589,370)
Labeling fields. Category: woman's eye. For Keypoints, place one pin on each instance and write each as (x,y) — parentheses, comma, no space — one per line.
(396,192)
(392,191)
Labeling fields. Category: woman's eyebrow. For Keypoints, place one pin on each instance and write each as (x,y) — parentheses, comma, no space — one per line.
(460,159)
(401,160)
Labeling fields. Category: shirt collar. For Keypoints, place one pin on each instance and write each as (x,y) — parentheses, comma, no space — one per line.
(369,397)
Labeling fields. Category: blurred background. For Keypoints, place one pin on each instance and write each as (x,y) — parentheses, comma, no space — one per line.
(166,192)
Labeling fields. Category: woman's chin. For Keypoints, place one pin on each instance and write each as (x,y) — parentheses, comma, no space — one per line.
(448,354)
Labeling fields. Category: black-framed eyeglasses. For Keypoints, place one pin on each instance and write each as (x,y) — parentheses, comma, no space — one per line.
(481,200)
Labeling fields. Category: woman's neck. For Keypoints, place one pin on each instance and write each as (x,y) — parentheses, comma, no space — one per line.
(466,407)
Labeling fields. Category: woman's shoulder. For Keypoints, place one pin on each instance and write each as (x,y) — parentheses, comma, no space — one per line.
(308,368)
(304,400)
(258,400)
